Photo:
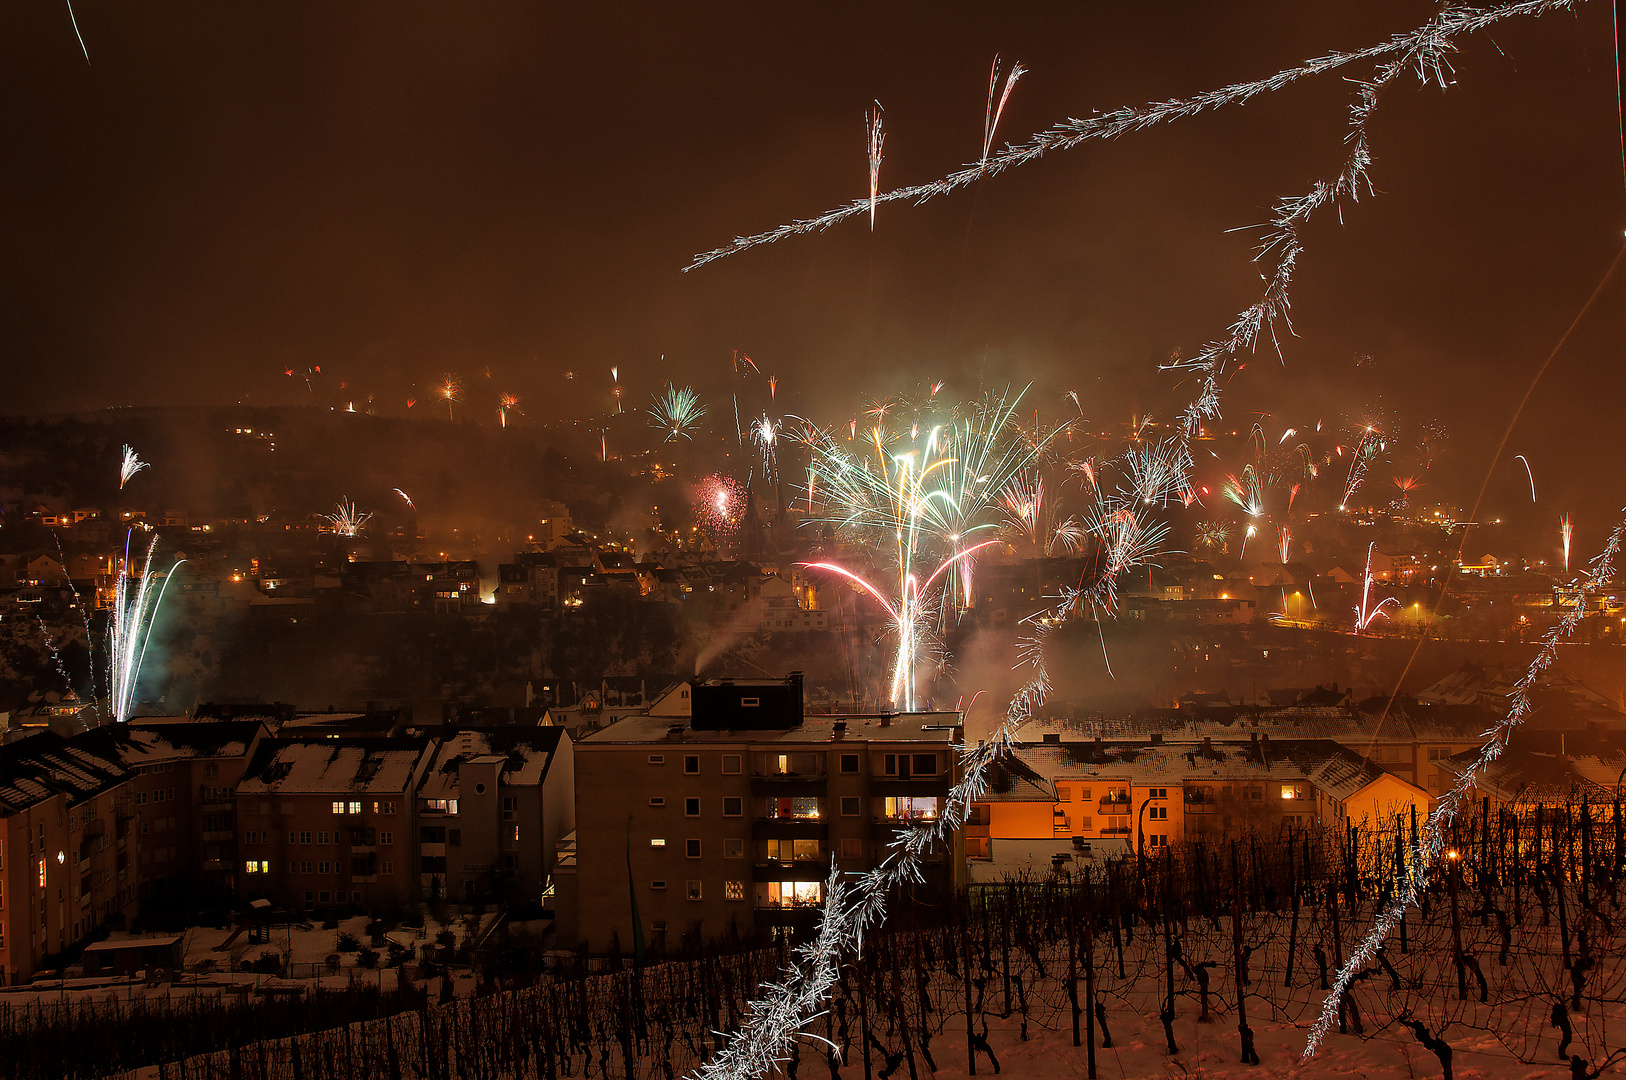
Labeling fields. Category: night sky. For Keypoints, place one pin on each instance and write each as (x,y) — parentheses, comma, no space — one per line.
(396,190)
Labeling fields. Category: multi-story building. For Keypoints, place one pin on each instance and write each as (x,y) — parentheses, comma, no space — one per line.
(493,806)
(183,777)
(728,822)
(1052,802)
(68,852)
(323,823)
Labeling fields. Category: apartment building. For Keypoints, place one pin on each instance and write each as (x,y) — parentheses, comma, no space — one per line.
(1053,803)
(67,850)
(330,822)
(727,823)
(494,804)
(183,777)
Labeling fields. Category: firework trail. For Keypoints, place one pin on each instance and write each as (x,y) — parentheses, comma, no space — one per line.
(405,498)
(765,434)
(877,140)
(1284,544)
(773,387)
(1246,491)
(450,391)
(1366,613)
(1425,53)
(130,627)
(930,502)
(990,122)
(1414,879)
(1566,529)
(677,412)
(1360,460)
(1530,474)
(348,520)
(615,380)
(504,404)
(129,466)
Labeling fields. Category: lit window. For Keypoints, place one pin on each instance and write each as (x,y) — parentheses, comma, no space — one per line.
(355,808)
(692,890)
(338,806)
(258,866)
(734,890)
(657,843)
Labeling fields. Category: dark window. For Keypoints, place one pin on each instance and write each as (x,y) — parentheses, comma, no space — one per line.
(691,849)
(924,764)
(849,763)
(849,806)
(432,834)
(434,864)
(691,764)
(454,836)
(691,807)
(733,807)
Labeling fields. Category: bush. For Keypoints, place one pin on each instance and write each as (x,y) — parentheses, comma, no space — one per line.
(446,938)
(347,943)
(331,922)
(333,963)
(367,958)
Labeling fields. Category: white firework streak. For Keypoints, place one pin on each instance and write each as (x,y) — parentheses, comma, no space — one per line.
(348,520)
(1428,847)
(130,628)
(990,121)
(1423,50)
(129,466)
(780,1017)
(1126,537)
(877,140)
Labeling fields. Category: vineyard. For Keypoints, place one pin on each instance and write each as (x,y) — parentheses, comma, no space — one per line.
(1514,954)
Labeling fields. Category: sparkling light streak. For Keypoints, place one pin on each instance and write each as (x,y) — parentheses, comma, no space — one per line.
(1410,884)
(129,466)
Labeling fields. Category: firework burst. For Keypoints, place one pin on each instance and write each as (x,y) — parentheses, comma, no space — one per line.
(677,412)
(348,520)
(719,507)
(450,391)
(129,466)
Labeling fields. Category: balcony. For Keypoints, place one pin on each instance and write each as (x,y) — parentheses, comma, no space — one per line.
(805,870)
(1117,830)
(789,829)
(787,785)
(1114,806)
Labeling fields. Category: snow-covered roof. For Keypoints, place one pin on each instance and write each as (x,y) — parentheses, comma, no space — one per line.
(525,754)
(305,766)
(44,764)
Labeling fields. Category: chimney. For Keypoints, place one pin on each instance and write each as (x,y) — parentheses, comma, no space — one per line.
(1052,737)
(838,731)
(1264,737)
(1099,753)
(886,719)
(1255,736)
(1157,738)
(674,733)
